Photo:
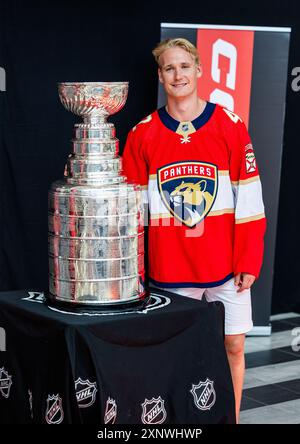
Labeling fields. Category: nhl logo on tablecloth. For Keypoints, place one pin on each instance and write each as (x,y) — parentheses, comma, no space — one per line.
(54,410)
(188,190)
(204,394)
(5,383)
(250,159)
(110,411)
(35,296)
(154,411)
(85,392)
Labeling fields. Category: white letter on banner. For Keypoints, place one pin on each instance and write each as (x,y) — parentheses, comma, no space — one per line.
(220,47)
(222,98)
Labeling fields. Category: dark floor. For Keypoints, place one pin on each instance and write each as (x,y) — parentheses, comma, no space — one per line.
(272,381)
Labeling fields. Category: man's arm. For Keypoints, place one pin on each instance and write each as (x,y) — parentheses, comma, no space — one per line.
(250,221)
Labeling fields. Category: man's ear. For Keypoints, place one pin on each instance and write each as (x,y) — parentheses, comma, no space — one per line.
(160,76)
(199,70)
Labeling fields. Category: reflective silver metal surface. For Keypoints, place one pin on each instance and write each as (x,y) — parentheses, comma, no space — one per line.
(96,227)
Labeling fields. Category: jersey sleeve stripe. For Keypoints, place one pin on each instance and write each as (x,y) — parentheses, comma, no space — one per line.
(250,218)
(221,212)
(249,200)
(161,216)
(245,181)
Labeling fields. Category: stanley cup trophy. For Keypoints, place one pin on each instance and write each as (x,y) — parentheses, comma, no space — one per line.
(96,230)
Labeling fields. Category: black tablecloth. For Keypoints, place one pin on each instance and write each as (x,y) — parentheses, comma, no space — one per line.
(165,365)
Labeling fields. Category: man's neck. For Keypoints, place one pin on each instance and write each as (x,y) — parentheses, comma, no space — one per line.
(186,109)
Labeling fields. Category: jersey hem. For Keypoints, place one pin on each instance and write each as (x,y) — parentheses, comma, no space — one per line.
(191,284)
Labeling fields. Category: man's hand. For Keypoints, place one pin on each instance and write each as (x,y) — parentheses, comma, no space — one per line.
(243,281)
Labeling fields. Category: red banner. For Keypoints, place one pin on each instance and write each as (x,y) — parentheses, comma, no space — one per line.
(227,57)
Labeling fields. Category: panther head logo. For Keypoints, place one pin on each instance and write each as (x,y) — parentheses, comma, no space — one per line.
(189,193)
(194,198)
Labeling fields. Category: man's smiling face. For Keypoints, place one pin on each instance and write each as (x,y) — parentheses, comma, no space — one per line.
(178,72)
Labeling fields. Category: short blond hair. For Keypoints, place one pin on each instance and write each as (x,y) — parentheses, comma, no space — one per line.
(177,42)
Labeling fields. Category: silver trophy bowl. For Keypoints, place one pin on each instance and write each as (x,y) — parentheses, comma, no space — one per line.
(96,219)
(93,98)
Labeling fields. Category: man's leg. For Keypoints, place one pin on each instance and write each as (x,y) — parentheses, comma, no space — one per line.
(238,321)
(234,345)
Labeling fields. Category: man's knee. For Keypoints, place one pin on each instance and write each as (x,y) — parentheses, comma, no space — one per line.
(234,345)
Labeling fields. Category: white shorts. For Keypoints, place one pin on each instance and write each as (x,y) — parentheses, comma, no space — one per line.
(238,310)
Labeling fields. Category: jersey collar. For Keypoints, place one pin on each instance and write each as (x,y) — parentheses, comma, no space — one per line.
(197,123)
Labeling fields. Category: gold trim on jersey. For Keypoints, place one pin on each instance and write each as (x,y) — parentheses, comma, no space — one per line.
(220,212)
(161,216)
(250,218)
(245,181)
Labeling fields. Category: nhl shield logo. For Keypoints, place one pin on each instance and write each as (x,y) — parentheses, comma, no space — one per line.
(54,410)
(110,411)
(5,383)
(204,394)
(153,411)
(85,392)
(188,190)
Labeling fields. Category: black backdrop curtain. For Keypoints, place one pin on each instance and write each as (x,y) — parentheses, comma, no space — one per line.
(42,43)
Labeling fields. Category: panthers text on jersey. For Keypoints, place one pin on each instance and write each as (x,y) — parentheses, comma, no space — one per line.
(201,182)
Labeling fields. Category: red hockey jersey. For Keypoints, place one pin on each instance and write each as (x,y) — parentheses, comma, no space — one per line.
(201,182)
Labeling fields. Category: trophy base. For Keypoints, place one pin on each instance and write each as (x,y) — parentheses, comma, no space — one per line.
(103,307)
